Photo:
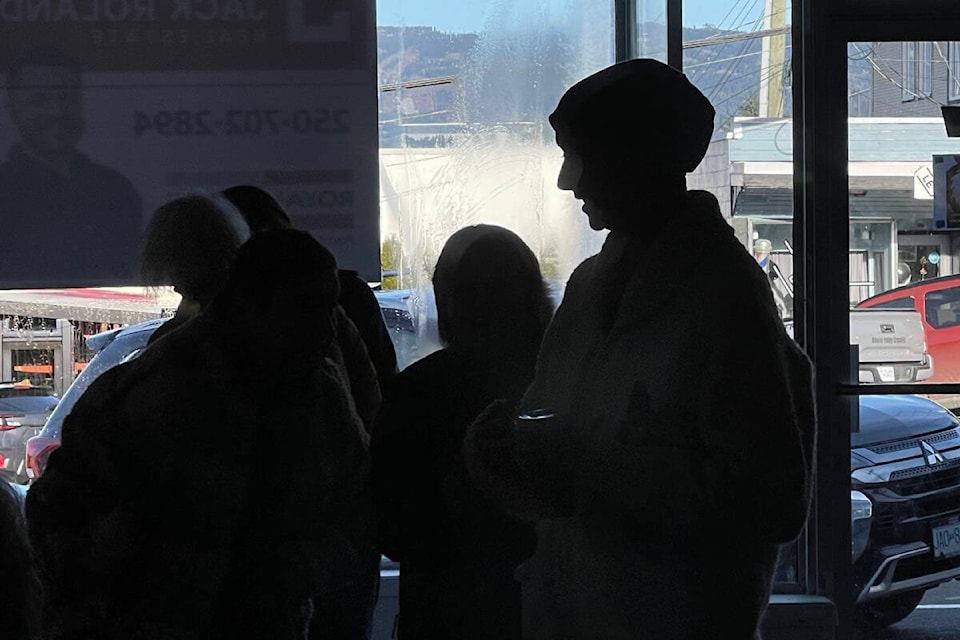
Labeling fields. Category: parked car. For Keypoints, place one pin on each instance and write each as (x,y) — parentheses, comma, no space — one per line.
(24,408)
(120,345)
(938,301)
(892,345)
(905,504)
(410,342)
(111,347)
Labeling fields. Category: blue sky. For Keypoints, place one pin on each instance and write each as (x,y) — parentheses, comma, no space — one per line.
(469,15)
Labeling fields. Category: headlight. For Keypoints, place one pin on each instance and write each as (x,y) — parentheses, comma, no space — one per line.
(861,511)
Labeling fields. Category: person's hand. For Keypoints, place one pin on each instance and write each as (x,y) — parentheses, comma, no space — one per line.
(488,447)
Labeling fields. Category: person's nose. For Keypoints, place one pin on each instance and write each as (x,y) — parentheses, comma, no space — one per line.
(570,172)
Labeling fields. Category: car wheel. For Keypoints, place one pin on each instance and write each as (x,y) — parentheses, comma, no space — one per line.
(887,611)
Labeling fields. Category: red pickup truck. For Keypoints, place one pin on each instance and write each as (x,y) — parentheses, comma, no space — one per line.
(938,301)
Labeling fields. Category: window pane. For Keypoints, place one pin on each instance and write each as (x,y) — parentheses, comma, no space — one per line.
(652,29)
(464,137)
(738,54)
(908,71)
(953,71)
(925,68)
(904,313)
(899,303)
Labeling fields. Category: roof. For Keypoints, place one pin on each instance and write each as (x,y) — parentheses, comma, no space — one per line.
(942,282)
(127,305)
(871,140)
(875,203)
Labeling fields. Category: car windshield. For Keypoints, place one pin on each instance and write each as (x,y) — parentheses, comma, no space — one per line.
(29,404)
(123,348)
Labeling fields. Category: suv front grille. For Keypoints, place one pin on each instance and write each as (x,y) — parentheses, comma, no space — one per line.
(904,511)
(909,482)
(952,434)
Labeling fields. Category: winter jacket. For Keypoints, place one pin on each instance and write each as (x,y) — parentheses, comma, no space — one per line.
(361,306)
(682,453)
(197,495)
(457,550)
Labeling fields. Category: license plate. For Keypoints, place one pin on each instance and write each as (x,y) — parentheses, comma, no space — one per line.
(946,540)
(886,374)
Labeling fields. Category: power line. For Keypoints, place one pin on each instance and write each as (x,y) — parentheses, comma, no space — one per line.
(770,72)
(864,55)
(764,75)
(911,92)
(736,37)
(736,65)
(733,37)
(414,84)
(418,115)
(745,9)
(760,19)
(719,60)
(950,73)
(742,16)
(730,11)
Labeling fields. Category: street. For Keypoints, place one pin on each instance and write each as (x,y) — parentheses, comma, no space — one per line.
(937,618)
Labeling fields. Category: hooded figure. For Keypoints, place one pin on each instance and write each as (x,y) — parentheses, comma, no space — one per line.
(153,519)
(457,550)
(363,338)
(367,354)
(666,444)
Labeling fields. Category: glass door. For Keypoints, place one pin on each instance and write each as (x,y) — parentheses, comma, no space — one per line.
(904,295)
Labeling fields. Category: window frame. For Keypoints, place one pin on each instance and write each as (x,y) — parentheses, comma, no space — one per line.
(925,68)
(953,71)
(908,71)
(906,302)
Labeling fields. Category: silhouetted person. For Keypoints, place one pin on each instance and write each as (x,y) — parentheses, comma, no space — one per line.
(262,211)
(203,489)
(20,611)
(190,244)
(73,220)
(457,550)
(361,306)
(679,453)
(345,614)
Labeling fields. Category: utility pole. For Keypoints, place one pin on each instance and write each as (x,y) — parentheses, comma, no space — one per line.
(772,56)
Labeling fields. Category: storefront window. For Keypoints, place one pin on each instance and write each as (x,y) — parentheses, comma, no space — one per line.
(903,250)
(739,55)
(464,137)
(652,29)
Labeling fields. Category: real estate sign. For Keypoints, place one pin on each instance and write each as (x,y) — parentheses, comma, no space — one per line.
(116,106)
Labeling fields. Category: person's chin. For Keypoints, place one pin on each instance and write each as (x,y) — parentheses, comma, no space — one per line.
(595,218)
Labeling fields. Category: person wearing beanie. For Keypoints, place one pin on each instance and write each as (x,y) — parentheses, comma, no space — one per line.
(665,446)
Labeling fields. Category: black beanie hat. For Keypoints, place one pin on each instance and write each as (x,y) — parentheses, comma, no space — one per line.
(640,111)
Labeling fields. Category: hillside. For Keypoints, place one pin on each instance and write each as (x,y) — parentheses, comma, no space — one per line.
(518,77)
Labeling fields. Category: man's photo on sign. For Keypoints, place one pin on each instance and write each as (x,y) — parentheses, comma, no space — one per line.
(71,220)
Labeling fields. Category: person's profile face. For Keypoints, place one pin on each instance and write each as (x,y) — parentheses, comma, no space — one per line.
(46,108)
(579,175)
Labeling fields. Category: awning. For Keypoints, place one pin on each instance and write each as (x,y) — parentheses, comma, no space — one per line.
(127,305)
(874,203)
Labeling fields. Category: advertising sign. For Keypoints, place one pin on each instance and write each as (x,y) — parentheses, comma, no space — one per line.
(114,107)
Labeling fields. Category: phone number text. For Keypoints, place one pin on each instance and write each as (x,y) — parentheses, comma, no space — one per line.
(242,122)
